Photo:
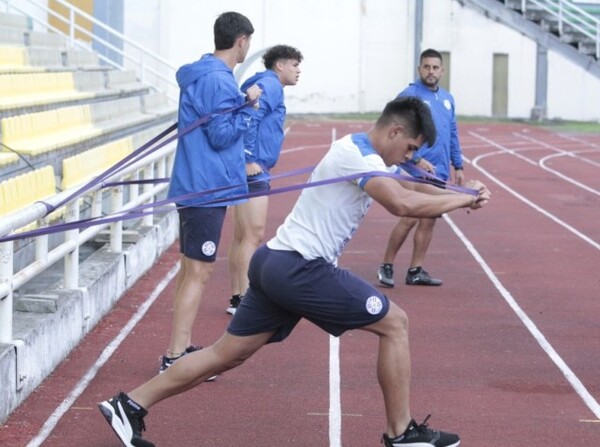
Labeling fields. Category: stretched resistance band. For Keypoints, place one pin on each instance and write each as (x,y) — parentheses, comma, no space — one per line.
(161,206)
(142,152)
(417,175)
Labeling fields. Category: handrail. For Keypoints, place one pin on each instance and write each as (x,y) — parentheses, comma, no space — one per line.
(154,165)
(151,68)
(572,15)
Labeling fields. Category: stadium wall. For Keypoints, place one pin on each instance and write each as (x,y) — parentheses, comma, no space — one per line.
(359,53)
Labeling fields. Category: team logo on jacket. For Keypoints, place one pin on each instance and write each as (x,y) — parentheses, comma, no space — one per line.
(209,248)
(447,104)
(374,305)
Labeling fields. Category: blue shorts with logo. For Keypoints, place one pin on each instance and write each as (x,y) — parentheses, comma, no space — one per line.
(284,288)
(200,231)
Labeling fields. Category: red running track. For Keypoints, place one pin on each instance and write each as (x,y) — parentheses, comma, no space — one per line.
(505,353)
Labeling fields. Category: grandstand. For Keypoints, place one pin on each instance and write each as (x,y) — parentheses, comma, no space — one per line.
(67,114)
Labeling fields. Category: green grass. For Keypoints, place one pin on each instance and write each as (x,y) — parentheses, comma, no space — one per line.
(555,125)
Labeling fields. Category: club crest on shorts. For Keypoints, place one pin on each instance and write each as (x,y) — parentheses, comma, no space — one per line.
(209,248)
(374,305)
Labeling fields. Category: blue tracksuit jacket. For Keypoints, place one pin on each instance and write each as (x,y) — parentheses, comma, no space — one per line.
(262,142)
(446,149)
(212,155)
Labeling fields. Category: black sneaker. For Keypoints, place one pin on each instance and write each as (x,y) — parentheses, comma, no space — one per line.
(419,277)
(421,436)
(126,418)
(166,362)
(234,303)
(386,275)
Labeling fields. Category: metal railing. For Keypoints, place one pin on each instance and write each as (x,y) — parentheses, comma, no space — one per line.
(149,66)
(567,13)
(155,165)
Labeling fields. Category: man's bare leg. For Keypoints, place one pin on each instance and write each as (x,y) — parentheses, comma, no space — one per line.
(393,368)
(194,276)
(192,369)
(397,237)
(422,240)
(252,217)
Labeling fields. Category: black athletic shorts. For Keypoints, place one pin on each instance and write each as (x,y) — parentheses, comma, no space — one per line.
(284,287)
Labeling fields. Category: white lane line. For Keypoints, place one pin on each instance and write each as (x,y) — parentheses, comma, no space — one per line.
(577,385)
(335,399)
(539,209)
(102,359)
(335,404)
(541,163)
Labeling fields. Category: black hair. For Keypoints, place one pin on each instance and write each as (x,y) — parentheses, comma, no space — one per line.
(278,52)
(413,114)
(430,52)
(228,27)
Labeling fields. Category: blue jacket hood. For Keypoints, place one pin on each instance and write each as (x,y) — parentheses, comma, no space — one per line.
(190,73)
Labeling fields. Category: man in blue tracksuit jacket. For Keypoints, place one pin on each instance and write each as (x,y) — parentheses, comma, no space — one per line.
(207,158)
(436,159)
(262,145)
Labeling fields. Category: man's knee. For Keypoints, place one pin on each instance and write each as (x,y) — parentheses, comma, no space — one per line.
(198,270)
(407,222)
(427,223)
(397,321)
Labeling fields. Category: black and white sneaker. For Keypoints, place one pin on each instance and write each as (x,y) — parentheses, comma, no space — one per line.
(421,436)
(166,362)
(418,277)
(386,275)
(126,418)
(234,303)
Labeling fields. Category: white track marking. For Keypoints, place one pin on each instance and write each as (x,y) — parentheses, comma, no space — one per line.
(475,163)
(541,163)
(335,402)
(577,385)
(104,356)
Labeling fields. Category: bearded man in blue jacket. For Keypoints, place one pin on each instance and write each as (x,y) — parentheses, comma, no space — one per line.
(209,158)
(262,146)
(436,159)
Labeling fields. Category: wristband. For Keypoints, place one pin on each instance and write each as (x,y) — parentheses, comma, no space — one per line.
(416,160)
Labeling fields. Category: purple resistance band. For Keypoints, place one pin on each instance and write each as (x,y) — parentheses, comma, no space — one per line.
(417,175)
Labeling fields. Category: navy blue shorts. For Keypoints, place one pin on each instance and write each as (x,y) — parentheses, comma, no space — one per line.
(258,185)
(200,231)
(284,288)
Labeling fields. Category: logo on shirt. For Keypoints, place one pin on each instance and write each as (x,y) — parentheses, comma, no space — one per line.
(374,305)
(447,104)
(209,248)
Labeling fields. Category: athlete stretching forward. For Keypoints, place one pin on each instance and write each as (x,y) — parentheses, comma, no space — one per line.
(295,276)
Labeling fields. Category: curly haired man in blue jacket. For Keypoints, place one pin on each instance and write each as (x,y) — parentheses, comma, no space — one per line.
(262,146)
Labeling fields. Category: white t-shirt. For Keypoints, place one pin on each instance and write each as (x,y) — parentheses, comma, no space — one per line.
(326,217)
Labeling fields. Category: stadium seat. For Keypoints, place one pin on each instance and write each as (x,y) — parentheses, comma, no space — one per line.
(35,89)
(82,59)
(83,167)
(124,81)
(37,133)
(7,158)
(23,190)
(12,36)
